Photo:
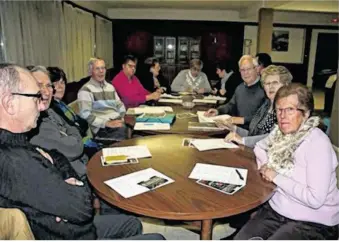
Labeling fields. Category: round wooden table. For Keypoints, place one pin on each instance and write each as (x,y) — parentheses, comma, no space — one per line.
(180,126)
(184,199)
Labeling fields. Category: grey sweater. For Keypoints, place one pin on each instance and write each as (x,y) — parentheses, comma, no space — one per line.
(245,102)
(184,82)
(53,132)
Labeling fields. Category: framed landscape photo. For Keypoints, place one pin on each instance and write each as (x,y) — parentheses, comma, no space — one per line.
(280,40)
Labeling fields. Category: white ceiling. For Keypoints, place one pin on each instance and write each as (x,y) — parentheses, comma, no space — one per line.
(303,5)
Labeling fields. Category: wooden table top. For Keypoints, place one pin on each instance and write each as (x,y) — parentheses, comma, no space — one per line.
(180,126)
(183,199)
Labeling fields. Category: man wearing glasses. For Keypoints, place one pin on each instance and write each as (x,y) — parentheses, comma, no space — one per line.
(128,86)
(42,183)
(247,97)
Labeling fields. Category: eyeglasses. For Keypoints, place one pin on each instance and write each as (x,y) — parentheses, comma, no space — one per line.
(246,70)
(48,86)
(131,66)
(288,111)
(273,84)
(37,95)
(100,68)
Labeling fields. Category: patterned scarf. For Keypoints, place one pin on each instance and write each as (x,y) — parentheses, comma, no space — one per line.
(281,147)
(194,83)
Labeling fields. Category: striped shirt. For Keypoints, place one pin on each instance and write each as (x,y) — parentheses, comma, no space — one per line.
(99,103)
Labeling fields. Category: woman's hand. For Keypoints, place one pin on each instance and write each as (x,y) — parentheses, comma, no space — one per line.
(232,136)
(268,173)
(226,124)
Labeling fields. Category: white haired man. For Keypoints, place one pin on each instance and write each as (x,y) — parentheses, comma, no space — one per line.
(247,98)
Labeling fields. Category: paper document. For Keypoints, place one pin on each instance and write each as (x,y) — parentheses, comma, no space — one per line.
(163,100)
(204,101)
(203,119)
(210,97)
(212,144)
(165,95)
(122,153)
(141,110)
(152,126)
(205,127)
(138,182)
(231,175)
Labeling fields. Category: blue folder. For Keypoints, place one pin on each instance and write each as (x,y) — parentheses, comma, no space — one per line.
(168,118)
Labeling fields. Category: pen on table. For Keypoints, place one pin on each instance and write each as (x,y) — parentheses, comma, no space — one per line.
(240,176)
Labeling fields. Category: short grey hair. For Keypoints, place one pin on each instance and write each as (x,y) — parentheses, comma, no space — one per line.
(9,77)
(91,63)
(248,58)
(42,69)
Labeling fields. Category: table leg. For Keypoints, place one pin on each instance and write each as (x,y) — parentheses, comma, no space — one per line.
(206,230)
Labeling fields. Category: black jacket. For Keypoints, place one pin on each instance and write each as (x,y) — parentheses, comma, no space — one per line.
(232,83)
(30,182)
(146,79)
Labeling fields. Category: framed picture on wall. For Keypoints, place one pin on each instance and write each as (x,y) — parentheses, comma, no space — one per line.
(280,40)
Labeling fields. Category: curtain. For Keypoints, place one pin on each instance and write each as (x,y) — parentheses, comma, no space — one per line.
(104,40)
(32,32)
(80,37)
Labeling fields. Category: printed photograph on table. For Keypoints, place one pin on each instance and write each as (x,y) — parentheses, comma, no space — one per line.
(153,182)
(119,161)
(280,40)
(226,188)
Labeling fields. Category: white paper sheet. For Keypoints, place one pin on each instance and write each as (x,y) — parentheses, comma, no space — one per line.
(127,186)
(204,101)
(163,100)
(165,95)
(151,126)
(210,97)
(212,144)
(137,151)
(203,119)
(219,173)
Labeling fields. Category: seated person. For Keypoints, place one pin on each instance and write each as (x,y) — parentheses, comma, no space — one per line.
(151,78)
(192,80)
(264,60)
(14,225)
(41,183)
(230,79)
(59,81)
(128,86)
(305,203)
(52,131)
(273,77)
(247,98)
(100,105)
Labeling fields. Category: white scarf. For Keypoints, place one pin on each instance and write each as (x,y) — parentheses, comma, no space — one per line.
(281,147)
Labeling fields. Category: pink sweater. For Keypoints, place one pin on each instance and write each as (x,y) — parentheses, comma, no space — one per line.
(131,92)
(311,193)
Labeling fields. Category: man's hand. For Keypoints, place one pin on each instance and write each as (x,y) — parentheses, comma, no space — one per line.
(222,92)
(114,123)
(160,90)
(74,182)
(214,91)
(267,173)
(232,136)
(201,91)
(211,112)
(226,124)
(153,96)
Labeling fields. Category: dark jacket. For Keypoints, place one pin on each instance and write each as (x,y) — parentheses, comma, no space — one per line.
(232,83)
(30,182)
(146,79)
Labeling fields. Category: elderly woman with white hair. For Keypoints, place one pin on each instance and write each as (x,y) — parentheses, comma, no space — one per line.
(272,78)
(299,159)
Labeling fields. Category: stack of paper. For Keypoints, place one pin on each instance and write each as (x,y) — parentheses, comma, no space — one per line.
(204,101)
(224,179)
(124,155)
(138,182)
(212,144)
(163,100)
(165,95)
(149,110)
(203,119)
(151,126)
(210,97)
(195,126)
